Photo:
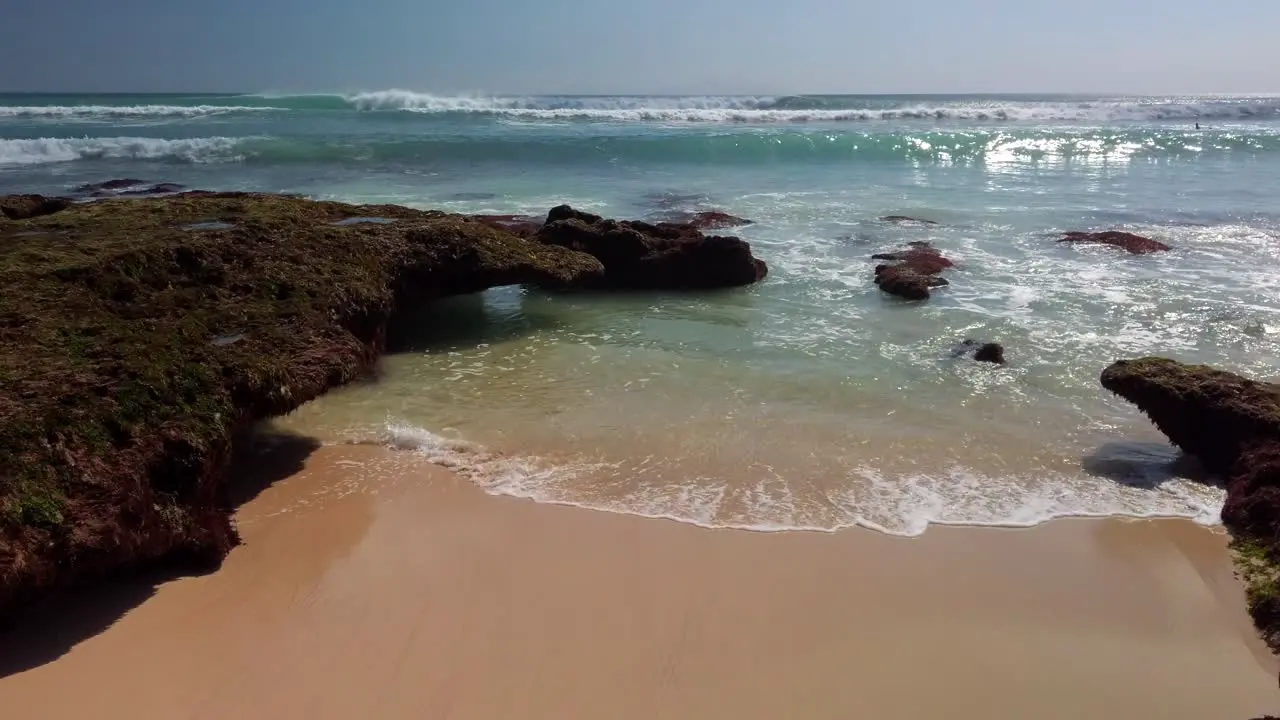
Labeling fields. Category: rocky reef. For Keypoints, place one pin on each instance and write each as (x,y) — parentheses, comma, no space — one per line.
(1232,425)
(139,336)
(1134,244)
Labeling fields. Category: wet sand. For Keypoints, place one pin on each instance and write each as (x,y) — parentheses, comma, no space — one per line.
(372,584)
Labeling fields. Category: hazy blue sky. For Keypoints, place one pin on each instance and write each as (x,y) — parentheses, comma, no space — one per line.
(654,46)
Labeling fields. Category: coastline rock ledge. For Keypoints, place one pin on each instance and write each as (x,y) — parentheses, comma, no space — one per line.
(1232,425)
(138,337)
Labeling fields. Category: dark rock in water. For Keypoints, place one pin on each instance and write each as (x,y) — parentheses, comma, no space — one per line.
(706,220)
(991,353)
(108,187)
(22,207)
(913,271)
(673,200)
(565,212)
(906,219)
(1232,424)
(981,352)
(473,196)
(642,255)
(157,189)
(1135,244)
(523,225)
(922,260)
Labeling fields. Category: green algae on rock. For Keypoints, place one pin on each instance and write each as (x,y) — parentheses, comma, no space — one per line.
(133,347)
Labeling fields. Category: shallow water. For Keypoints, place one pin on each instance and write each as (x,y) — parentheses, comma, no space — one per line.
(811,400)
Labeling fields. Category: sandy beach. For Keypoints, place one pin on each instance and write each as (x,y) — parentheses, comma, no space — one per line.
(373,584)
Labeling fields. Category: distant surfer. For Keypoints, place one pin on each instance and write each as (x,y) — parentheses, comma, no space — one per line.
(1197,126)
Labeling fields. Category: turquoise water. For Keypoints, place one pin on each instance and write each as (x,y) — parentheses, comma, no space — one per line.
(809,401)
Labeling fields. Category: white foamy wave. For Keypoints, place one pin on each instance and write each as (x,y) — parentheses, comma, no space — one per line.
(119,111)
(55,150)
(592,106)
(766,109)
(894,505)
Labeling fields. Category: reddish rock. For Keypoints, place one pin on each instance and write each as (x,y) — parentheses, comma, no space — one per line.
(922,260)
(906,283)
(913,272)
(641,255)
(1135,244)
(22,207)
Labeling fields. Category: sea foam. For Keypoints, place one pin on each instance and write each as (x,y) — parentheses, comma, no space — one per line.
(55,150)
(122,111)
(905,505)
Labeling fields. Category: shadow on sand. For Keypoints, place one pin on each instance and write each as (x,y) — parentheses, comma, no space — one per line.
(41,634)
(1144,465)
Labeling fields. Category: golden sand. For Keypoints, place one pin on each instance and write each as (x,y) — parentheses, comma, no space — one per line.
(373,585)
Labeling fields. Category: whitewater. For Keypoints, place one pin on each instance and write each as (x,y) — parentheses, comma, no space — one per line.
(809,401)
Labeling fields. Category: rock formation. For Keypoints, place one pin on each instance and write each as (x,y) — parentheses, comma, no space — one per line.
(1232,424)
(1135,244)
(641,255)
(119,393)
(913,273)
(23,207)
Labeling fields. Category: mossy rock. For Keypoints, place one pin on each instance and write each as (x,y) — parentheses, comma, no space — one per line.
(137,336)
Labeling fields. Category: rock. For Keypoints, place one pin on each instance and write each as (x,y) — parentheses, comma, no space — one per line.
(23,207)
(990,353)
(906,283)
(565,212)
(108,187)
(522,225)
(980,352)
(1135,244)
(1232,424)
(904,219)
(706,220)
(157,189)
(913,272)
(133,355)
(1212,414)
(640,255)
(922,260)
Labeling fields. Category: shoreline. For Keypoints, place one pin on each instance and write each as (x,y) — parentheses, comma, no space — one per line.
(370,581)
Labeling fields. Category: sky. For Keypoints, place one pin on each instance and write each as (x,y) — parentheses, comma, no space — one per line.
(653,47)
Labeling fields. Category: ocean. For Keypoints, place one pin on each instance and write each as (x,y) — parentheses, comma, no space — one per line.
(810,401)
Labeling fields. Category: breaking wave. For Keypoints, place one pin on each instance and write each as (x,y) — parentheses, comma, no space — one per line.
(124,111)
(806,108)
(904,506)
(55,150)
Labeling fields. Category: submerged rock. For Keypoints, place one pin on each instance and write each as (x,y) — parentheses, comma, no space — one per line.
(980,352)
(1135,244)
(1232,424)
(108,186)
(906,219)
(22,207)
(706,220)
(641,255)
